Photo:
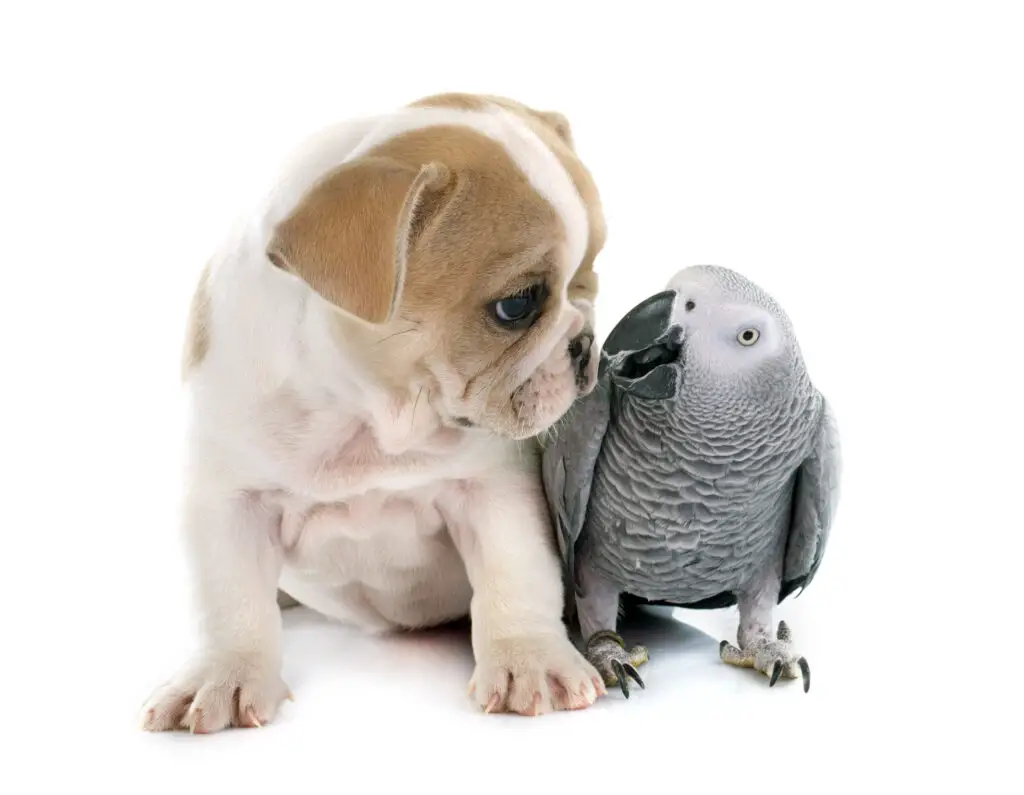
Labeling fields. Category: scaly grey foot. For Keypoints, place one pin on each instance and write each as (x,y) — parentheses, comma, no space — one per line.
(606,651)
(773,658)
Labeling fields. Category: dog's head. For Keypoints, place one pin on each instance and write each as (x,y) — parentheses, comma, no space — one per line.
(462,240)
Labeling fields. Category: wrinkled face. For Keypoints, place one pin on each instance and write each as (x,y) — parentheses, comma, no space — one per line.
(711,324)
(489,308)
(488,285)
(510,352)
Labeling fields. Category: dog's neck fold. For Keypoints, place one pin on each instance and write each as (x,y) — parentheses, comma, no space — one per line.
(387,387)
(406,421)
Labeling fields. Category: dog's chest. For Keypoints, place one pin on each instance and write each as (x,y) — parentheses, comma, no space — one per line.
(326,455)
(370,532)
(363,537)
(379,560)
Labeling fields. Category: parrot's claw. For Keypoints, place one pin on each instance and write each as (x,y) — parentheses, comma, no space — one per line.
(622,670)
(607,652)
(773,658)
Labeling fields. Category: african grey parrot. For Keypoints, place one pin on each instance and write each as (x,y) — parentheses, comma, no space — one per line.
(702,471)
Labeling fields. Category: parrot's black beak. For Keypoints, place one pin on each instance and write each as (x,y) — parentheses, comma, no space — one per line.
(644,340)
(643,325)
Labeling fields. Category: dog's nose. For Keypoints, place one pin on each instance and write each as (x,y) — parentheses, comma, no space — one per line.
(579,350)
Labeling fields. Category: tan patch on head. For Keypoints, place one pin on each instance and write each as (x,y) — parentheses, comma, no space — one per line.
(197,334)
(554,130)
(489,216)
(453,99)
(554,120)
(488,235)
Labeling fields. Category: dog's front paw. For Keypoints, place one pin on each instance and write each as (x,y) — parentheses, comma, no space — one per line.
(217,691)
(534,674)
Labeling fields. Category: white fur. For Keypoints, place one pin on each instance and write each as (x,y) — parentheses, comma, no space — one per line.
(453,523)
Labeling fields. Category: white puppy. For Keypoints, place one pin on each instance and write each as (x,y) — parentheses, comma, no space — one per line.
(370,353)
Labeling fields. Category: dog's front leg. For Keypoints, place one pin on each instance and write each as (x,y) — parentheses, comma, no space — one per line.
(525,662)
(234,679)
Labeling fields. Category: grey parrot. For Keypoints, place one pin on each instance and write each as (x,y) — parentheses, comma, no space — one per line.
(702,472)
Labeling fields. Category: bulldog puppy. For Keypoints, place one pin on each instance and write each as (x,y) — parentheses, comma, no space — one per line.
(370,354)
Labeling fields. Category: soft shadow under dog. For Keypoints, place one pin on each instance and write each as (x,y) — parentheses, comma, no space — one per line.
(441,658)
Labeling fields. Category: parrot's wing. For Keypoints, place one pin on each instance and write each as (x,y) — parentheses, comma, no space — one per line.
(569,460)
(815,499)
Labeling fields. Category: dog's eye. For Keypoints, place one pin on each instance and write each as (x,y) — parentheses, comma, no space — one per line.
(519,310)
(509,310)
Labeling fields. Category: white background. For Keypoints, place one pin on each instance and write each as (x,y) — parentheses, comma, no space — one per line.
(862,161)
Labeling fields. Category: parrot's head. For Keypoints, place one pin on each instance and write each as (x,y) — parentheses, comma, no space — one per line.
(712,328)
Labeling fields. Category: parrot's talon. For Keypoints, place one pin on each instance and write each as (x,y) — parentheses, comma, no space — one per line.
(805,672)
(773,658)
(634,675)
(620,675)
(607,652)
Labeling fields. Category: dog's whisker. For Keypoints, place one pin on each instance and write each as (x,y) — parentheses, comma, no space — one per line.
(397,334)
(415,405)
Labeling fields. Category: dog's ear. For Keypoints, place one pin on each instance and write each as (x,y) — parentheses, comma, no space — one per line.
(558,123)
(350,235)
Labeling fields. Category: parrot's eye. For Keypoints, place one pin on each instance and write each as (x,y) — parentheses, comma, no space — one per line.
(748,336)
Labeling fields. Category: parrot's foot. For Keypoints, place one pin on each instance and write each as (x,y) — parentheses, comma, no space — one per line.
(773,658)
(606,651)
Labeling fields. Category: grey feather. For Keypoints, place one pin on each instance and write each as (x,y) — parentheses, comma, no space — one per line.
(815,499)
(571,451)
